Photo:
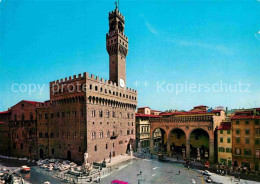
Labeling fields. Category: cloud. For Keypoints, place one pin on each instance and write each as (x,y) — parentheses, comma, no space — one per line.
(207,46)
(151,28)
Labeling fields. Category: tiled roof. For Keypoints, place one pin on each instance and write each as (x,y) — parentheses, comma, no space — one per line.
(32,102)
(143,107)
(225,126)
(146,115)
(182,113)
(4,112)
(245,115)
(201,106)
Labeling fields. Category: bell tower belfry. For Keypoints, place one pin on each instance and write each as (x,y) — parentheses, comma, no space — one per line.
(117,48)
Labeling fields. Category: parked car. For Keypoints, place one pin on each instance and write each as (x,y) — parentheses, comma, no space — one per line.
(25,168)
(206,172)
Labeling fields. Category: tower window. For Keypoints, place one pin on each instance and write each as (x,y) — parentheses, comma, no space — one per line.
(100,113)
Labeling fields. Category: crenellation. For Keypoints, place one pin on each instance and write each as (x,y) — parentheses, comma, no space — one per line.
(70,105)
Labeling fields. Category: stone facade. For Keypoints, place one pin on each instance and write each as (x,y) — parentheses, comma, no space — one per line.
(85,113)
(246,139)
(180,132)
(142,119)
(23,129)
(224,136)
(4,133)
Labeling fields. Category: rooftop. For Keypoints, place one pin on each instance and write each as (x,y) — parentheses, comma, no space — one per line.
(225,125)
(5,112)
(146,115)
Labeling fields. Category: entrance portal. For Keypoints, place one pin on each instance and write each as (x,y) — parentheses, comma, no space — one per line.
(69,155)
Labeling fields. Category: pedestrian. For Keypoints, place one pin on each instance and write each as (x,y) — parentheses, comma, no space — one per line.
(179,172)
(188,167)
(98,178)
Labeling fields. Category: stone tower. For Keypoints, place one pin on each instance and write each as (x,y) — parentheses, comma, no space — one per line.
(117,48)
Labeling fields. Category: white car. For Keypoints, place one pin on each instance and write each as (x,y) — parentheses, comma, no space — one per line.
(206,172)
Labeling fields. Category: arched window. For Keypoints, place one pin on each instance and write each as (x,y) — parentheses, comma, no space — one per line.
(107,114)
(96,88)
(106,145)
(132,131)
(95,148)
(247,152)
(132,116)
(108,133)
(114,114)
(90,86)
(128,115)
(100,113)
(93,113)
(93,135)
(101,134)
(31,116)
(128,132)
(237,151)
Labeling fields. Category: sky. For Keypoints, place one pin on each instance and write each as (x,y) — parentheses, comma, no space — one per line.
(182,53)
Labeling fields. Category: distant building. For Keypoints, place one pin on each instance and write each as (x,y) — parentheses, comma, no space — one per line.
(224,133)
(220,108)
(23,129)
(142,119)
(4,133)
(200,108)
(246,139)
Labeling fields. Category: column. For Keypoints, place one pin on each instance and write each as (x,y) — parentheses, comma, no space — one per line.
(168,146)
(187,149)
(211,150)
(151,144)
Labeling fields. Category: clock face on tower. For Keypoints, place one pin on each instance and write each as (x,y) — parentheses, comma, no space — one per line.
(122,83)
